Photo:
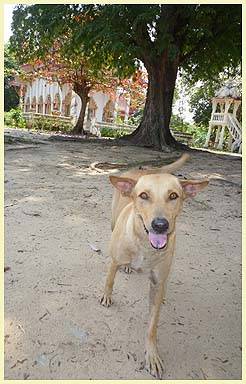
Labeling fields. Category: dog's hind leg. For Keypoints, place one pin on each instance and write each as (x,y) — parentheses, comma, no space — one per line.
(106,299)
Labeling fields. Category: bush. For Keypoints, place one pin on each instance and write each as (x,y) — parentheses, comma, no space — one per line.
(199,135)
(136,118)
(46,124)
(199,131)
(109,132)
(177,124)
(14,118)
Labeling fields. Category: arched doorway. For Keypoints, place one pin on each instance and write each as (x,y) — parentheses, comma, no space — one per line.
(67,104)
(108,112)
(57,102)
(92,107)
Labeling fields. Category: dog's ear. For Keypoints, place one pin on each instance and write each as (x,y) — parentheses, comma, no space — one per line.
(192,187)
(123,184)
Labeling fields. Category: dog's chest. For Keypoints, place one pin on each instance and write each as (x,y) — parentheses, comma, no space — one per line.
(146,260)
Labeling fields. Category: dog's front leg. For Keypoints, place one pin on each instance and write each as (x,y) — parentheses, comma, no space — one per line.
(153,363)
(106,299)
(158,283)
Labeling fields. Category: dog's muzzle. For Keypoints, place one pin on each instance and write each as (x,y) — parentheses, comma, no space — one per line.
(157,240)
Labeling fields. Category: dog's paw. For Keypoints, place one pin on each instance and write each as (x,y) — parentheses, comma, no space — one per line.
(164,300)
(154,364)
(128,269)
(106,301)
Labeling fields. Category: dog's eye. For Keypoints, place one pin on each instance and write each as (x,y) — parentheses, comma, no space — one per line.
(144,196)
(173,196)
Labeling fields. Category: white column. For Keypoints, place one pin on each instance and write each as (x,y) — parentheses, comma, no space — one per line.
(222,107)
(60,95)
(85,126)
(214,106)
(127,109)
(208,135)
(221,141)
(37,95)
(22,105)
(217,136)
(44,95)
(63,94)
(51,88)
(118,91)
(229,142)
(227,105)
(235,108)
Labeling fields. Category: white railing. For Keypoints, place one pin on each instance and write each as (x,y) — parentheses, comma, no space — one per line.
(218,118)
(95,129)
(125,127)
(236,132)
(234,127)
(35,115)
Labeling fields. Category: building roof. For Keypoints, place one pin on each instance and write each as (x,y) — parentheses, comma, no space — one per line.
(231,89)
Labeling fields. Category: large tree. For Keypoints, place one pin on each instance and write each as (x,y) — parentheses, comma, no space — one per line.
(202,39)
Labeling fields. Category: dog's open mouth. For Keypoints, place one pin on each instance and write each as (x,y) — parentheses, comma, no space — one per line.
(158,240)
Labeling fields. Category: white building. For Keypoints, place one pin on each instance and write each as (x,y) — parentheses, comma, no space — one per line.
(46,98)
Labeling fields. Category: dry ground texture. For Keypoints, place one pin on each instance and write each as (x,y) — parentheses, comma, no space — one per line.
(57,228)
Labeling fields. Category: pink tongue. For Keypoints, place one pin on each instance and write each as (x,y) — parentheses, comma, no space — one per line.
(158,240)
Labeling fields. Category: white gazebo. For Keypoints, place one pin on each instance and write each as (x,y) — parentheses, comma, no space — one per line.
(224,116)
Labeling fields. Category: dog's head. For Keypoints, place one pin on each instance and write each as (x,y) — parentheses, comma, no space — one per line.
(158,200)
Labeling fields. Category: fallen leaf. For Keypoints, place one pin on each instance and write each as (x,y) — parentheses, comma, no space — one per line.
(94,248)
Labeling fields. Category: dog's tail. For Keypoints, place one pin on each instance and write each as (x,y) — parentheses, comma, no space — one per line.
(170,167)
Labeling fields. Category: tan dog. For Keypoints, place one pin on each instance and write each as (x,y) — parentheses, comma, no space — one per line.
(145,206)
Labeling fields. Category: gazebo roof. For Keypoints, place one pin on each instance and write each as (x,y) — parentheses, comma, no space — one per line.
(232,89)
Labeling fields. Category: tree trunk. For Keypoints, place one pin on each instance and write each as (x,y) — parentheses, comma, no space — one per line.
(154,130)
(82,91)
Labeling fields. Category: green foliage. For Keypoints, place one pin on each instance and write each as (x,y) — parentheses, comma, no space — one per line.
(201,104)
(109,132)
(136,118)
(199,132)
(11,97)
(178,124)
(14,118)
(199,135)
(46,124)
(205,37)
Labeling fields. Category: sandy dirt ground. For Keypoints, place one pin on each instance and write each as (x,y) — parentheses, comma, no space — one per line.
(57,229)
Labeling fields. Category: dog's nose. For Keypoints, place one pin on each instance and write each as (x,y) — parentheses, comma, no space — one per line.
(160,224)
